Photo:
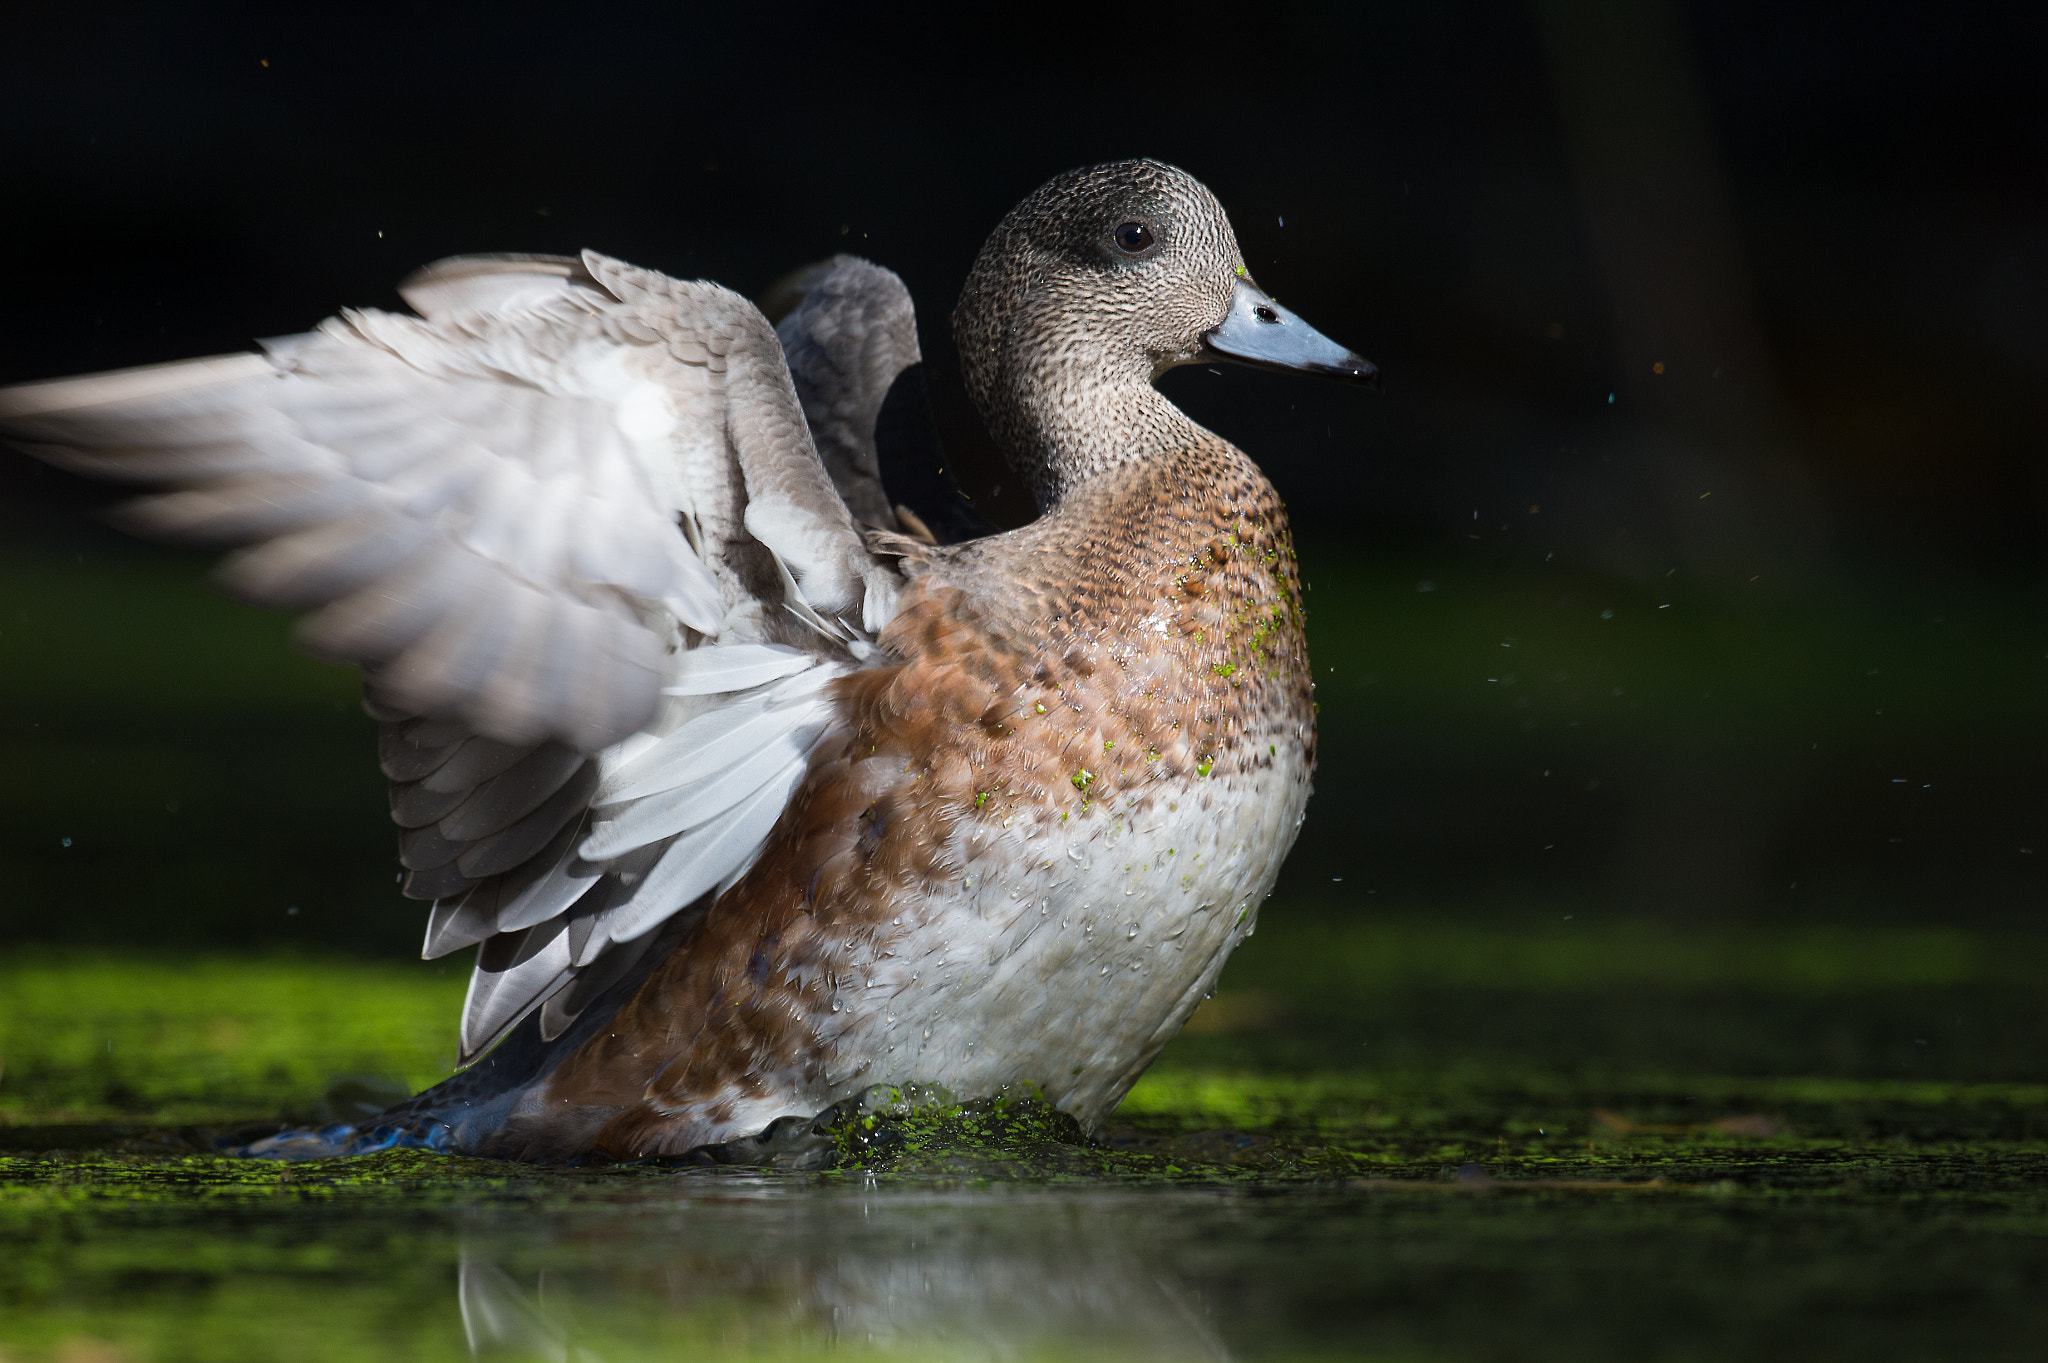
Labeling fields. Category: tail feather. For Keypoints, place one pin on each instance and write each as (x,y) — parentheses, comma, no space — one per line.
(490,1109)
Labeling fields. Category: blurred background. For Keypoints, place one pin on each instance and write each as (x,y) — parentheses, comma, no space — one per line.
(1684,588)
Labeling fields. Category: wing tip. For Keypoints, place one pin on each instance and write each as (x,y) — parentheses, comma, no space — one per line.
(28,402)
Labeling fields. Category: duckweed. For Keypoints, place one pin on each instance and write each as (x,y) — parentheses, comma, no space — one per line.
(1271,1188)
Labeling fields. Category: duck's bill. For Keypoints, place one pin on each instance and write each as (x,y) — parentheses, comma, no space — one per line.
(1258,331)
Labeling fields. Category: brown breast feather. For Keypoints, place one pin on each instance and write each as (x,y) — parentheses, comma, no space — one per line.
(1034,682)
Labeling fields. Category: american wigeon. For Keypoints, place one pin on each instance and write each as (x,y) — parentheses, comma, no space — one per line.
(749,794)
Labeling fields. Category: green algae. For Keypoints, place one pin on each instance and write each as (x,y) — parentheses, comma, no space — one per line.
(1761,1139)
(103,1037)
(990,1233)
(1251,1213)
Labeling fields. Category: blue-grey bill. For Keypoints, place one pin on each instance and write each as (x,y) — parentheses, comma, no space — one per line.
(1260,332)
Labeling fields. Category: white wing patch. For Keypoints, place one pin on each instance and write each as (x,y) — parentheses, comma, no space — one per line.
(677,814)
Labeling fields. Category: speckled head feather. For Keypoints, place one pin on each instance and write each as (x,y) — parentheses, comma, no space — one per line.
(1068,402)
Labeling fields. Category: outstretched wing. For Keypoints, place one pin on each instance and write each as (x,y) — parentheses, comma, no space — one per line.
(570,523)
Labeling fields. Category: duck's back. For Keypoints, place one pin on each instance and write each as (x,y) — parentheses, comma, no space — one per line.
(1044,831)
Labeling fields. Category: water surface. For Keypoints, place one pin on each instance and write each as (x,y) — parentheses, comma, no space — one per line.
(1511,1178)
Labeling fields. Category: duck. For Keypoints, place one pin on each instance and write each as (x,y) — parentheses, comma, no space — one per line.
(751,790)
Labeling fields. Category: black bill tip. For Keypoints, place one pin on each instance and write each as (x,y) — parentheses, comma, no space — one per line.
(1257,331)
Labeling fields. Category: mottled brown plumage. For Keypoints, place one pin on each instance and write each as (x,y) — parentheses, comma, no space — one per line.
(1033,694)
(1136,650)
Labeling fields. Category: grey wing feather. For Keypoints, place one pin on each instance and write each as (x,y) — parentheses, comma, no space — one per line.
(569,518)
(853,330)
(484,283)
(380,472)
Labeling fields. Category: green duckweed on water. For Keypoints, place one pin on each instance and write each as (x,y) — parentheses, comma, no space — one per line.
(1267,1191)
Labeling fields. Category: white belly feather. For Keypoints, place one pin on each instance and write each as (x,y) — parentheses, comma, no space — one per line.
(1067,953)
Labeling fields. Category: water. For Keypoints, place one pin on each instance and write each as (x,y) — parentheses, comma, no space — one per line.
(1504,1172)
(1170,1243)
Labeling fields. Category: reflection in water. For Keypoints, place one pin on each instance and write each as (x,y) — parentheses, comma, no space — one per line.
(974,1276)
(501,1318)
(1922,1243)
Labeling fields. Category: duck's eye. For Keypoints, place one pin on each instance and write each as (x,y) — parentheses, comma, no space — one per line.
(1132,237)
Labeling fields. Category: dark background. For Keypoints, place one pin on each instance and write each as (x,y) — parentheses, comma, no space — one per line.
(1690,566)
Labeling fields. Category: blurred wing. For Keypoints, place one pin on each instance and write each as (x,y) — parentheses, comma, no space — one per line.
(571,525)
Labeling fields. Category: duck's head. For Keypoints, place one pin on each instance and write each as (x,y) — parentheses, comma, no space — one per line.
(1090,289)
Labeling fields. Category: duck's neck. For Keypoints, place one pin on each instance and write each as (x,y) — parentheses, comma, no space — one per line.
(1064,419)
